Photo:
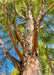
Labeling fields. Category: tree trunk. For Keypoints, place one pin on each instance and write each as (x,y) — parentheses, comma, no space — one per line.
(31,65)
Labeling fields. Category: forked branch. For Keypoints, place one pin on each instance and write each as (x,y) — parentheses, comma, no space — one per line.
(37,28)
(11,58)
(48,10)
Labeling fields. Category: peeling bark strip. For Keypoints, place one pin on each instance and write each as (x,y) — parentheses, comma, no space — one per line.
(11,58)
(11,34)
(35,40)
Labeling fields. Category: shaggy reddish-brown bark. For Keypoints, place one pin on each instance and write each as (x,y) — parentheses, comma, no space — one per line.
(11,34)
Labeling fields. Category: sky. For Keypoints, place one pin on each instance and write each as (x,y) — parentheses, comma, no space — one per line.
(12,51)
(8,62)
(10,65)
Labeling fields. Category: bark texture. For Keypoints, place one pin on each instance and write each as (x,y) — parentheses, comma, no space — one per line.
(31,63)
(32,66)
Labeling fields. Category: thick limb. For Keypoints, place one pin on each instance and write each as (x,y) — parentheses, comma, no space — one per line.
(37,28)
(10,32)
(19,37)
(11,58)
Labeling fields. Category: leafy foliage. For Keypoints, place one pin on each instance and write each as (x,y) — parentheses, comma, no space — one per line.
(14,72)
(46,34)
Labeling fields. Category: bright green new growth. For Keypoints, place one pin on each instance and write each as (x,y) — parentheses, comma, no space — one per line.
(14,72)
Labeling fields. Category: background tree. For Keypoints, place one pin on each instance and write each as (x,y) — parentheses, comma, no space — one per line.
(32,15)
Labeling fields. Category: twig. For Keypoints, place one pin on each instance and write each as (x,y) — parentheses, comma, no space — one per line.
(48,10)
(20,14)
(46,23)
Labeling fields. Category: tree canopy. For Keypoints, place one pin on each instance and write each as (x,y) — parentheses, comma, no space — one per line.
(17,18)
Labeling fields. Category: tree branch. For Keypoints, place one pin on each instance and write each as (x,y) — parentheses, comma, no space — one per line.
(41,10)
(21,23)
(16,27)
(51,65)
(20,14)
(34,20)
(1,7)
(35,40)
(46,23)
(18,35)
(26,9)
(48,10)
(15,10)
(13,6)
(11,58)
(37,28)
(10,32)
